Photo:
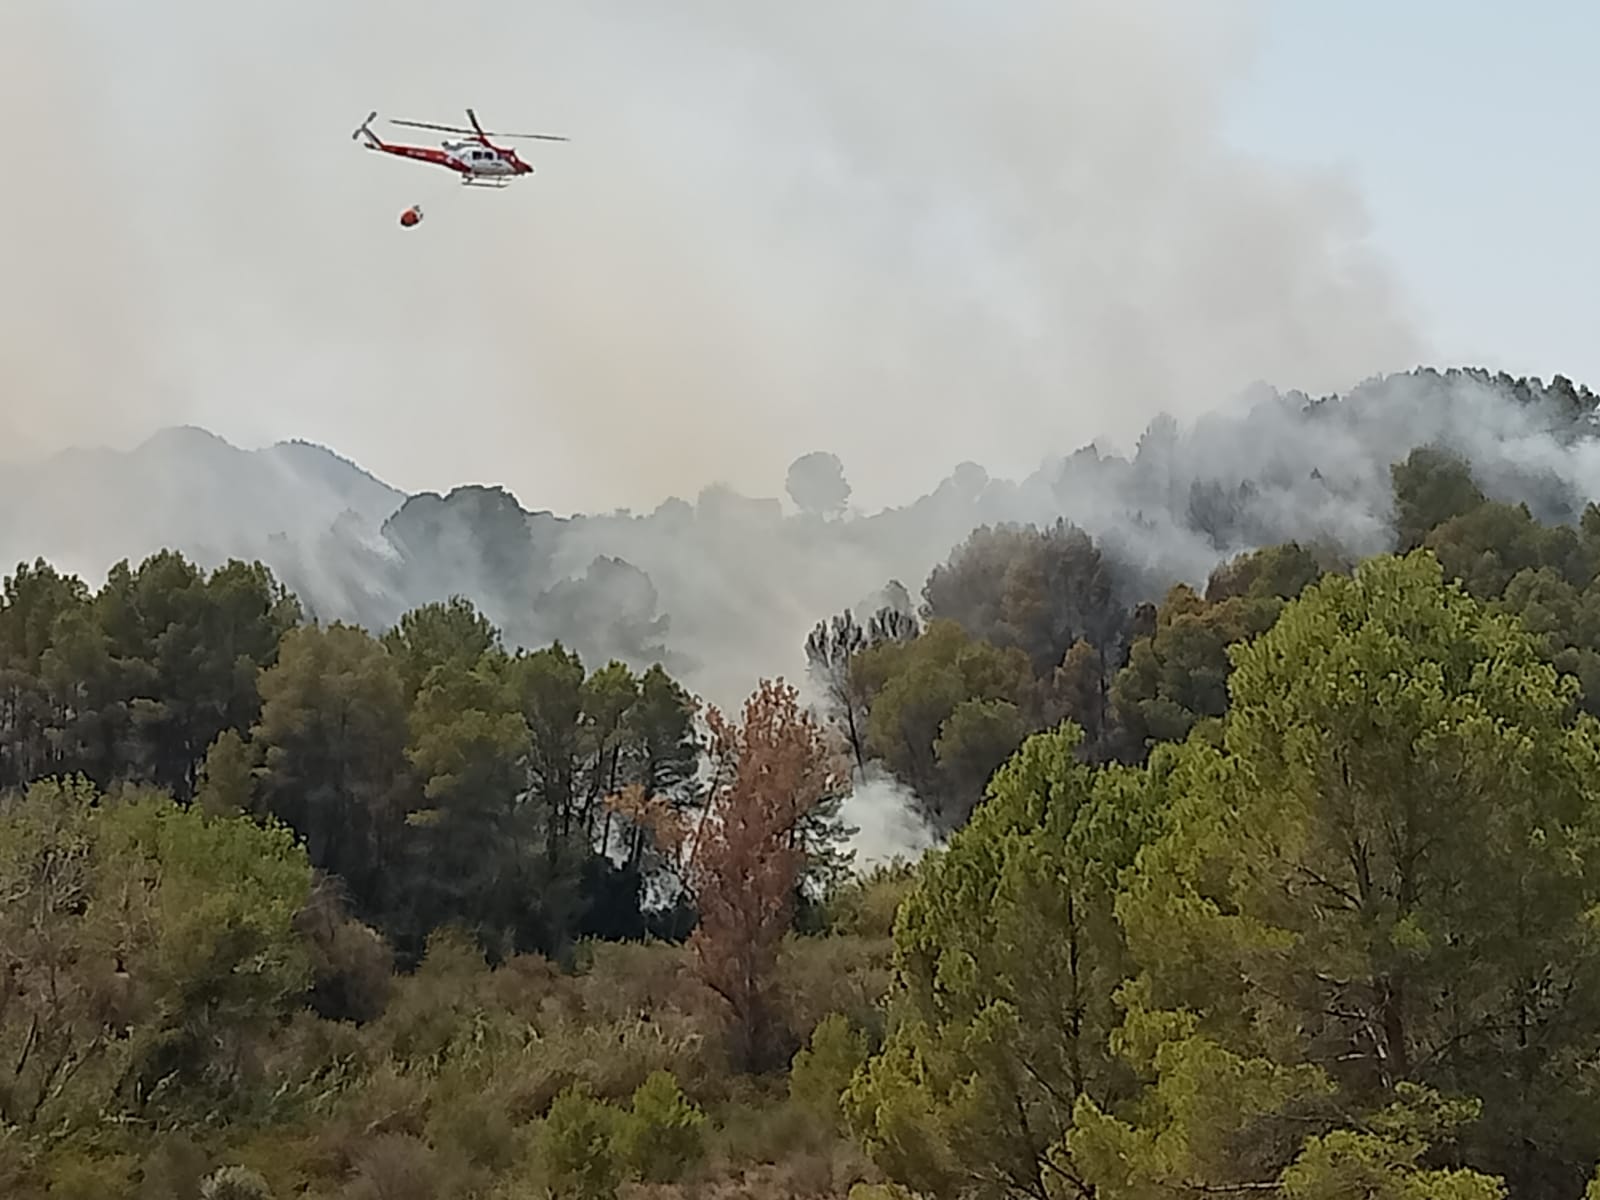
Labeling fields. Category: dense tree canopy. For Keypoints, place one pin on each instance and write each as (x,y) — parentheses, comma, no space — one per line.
(1351,932)
(439,777)
(1283,884)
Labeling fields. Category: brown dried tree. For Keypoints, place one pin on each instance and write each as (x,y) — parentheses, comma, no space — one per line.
(774,775)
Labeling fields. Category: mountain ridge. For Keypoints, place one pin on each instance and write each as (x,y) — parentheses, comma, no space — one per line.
(725,586)
(182,486)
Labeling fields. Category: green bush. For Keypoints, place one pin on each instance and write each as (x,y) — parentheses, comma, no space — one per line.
(576,1146)
(662,1137)
(821,1072)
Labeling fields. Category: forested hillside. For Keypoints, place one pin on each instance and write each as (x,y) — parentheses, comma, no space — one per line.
(1282,884)
(721,587)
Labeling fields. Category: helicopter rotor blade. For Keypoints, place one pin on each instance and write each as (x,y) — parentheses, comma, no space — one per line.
(478,130)
(430,125)
(483,133)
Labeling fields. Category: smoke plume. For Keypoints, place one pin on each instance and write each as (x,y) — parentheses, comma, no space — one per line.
(910,233)
(886,821)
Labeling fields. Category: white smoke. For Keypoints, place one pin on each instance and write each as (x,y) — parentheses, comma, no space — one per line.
(912,233)
(887,821)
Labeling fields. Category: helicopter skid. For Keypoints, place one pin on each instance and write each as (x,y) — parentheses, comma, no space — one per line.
(478,181)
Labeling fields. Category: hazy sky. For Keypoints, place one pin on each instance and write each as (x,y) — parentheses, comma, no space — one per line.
(911,232)
(1468,126)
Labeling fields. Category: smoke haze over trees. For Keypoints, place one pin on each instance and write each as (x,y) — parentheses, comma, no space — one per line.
(1279,883)
(725,587)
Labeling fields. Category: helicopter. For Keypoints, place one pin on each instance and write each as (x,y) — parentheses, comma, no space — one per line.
(479,162)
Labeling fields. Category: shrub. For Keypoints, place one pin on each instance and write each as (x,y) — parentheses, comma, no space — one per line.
(398,1166)
(352,965)
(866,906)
(576,1146)
(235,1183)
(662,1137)
(822,1071)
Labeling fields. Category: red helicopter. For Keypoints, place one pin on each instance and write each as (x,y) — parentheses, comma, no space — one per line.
(479,162)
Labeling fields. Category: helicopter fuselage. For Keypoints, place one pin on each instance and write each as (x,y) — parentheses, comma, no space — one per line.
(484,162)
(476,160)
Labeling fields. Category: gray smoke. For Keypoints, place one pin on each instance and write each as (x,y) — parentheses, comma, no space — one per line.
(725,587)
(911,235)
(908,233)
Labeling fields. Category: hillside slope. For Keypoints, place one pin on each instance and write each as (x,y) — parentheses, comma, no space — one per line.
(725,587)
(184,488)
